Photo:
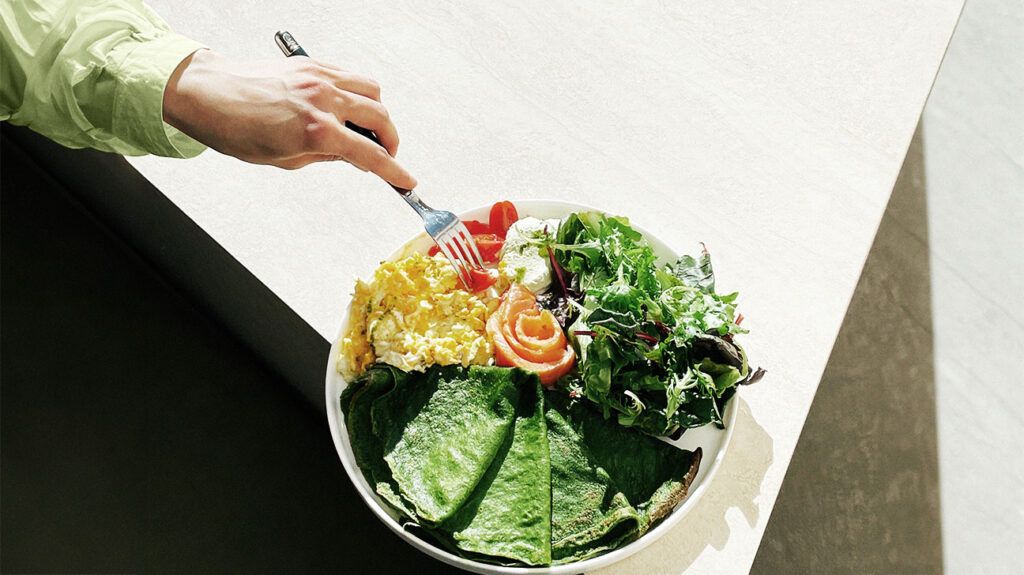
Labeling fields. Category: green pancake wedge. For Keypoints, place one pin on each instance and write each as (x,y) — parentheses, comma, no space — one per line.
(440,434)
(653,475)
(508,515)
(356,402)
(488,465)
(589,515)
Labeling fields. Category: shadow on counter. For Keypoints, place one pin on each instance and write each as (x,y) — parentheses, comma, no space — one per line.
(862,491)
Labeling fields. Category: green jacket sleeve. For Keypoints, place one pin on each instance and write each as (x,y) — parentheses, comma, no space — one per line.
(91,74)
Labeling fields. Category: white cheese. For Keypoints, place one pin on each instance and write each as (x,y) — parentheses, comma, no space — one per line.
(522,261)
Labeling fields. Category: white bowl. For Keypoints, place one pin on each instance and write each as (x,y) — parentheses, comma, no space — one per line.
(710,439)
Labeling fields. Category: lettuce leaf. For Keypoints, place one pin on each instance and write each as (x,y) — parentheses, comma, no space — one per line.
(655,343)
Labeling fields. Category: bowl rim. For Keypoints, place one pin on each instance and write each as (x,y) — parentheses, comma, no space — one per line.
(339,436)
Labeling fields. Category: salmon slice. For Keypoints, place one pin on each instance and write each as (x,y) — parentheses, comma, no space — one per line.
(529,338)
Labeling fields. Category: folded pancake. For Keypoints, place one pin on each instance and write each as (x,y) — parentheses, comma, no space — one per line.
(508,516)
(487,464)
(440,434)
(589,515)
(653,475)
(356,401)
(609,484)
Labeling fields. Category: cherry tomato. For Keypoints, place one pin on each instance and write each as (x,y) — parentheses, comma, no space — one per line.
(476,227)
(482,279)
(503,215)
(489,246)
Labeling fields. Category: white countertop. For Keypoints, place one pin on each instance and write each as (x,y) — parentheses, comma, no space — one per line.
(771,132)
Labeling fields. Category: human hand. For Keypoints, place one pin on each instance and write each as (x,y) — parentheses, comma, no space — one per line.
(283,112)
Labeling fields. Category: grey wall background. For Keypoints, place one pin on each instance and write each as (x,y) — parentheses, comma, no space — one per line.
(911,459)
(974,172)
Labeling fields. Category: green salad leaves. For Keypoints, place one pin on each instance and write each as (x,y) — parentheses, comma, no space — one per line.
(655,343)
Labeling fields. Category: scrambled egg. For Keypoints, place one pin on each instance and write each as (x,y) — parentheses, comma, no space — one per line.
(414,314)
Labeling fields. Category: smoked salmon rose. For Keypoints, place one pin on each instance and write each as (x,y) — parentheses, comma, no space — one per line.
(528,337)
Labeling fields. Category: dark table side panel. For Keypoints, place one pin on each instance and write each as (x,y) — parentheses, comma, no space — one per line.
(138,436)
(184,255)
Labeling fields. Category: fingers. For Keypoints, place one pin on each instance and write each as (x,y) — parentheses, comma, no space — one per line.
(301,161)
(372,115)
(366,155)
(358,98)
(350,97)
(360,110)
(330,140)
(351,82)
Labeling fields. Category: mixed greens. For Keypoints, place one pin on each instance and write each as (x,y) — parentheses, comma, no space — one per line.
(655,343)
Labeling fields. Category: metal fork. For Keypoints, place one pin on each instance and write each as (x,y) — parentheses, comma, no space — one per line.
(447,230)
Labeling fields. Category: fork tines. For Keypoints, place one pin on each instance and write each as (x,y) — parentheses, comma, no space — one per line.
(458,246)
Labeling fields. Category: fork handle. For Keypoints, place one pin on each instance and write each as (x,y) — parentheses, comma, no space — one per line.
(290,47)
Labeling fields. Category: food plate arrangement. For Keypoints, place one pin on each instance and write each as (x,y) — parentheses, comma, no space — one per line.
(534,421)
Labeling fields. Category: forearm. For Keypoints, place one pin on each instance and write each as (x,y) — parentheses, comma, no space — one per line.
(110,75)
(92,74)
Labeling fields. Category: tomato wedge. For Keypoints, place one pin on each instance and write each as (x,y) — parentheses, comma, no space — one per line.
(489,246)
(489,236)
(482,279)
(503,215)
(476,227)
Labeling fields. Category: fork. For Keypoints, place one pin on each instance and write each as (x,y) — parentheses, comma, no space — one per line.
(447,230)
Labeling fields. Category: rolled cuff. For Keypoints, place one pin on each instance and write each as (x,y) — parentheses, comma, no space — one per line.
(142,76)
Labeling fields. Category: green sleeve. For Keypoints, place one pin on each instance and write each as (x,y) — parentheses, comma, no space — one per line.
(91,74)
